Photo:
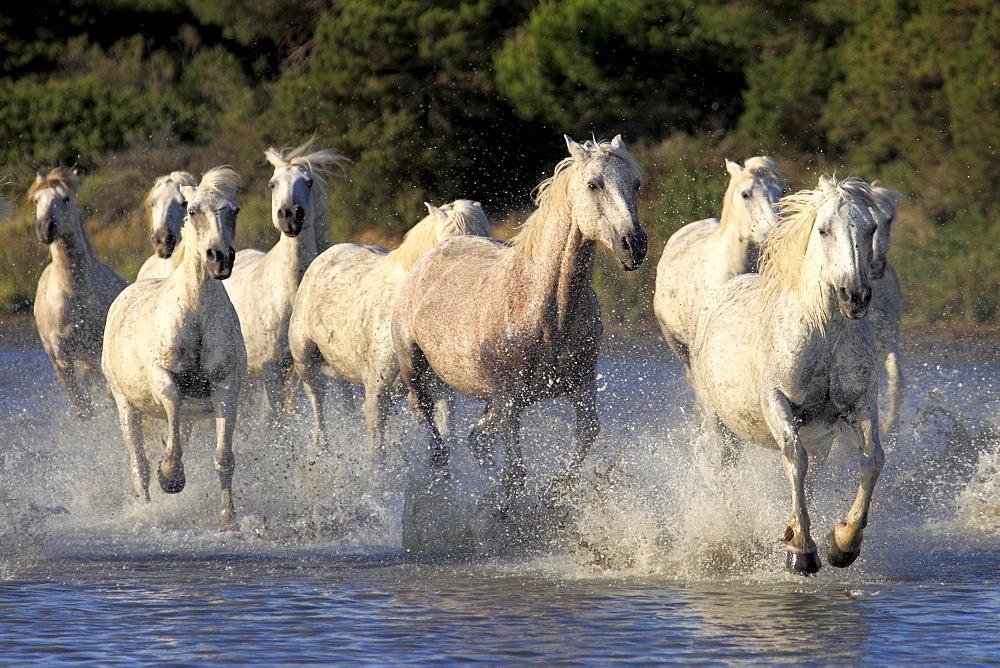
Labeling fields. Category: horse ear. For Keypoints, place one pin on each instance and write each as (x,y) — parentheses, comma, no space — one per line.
(618,144)
(436,212)
(39,178)
(575,149)
(733,168)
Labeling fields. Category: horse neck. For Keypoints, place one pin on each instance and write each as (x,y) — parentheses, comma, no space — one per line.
(561,265)
(293,255)
(738,253)
(74,254)
(190,282)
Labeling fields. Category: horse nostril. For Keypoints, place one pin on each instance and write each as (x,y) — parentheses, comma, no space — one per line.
(843,295)
(625,243)
(866,296)
(231,255)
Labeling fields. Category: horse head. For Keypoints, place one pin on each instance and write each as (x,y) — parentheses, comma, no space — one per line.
(842,241)
(604,192)
(753,192)
(297,194)
(56,214)
(291,198)
(885,214)
(166,211)
(210,220)
(463,216)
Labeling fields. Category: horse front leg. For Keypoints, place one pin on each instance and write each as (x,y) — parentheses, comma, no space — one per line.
(66,373)
(844,542)
(588,427)
(131,424)
(896,387)
(171,468)
(801,554)
(514,474)
(225,396)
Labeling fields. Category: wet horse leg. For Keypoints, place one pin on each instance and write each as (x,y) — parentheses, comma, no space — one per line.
(483,434)
(309,369)
(801,550)
(66,374)
(416,372)
(131,424)
(171,469)
(224,399)
(844,542)
(896,387)
(514,474)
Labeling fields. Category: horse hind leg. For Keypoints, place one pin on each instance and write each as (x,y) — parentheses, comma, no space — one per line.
(844,542)
(420,378)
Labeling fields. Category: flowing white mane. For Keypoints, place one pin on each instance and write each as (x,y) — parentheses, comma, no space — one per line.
(223,180)
(784,250)
(460,217)
(551,194)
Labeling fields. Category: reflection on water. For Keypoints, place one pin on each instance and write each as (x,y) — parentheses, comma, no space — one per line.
(655,555)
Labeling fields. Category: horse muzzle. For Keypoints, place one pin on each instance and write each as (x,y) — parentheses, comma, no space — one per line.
(220,262)
(290,221)
(45,228)
(630,249)
(854,304)
(164,244)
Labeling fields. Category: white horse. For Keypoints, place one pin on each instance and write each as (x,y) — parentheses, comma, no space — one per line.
(74,291)
(342,313)
(166,218)
(173,346)
(263,285)
(887,305)
(701,256)
(515,324)
(786,359)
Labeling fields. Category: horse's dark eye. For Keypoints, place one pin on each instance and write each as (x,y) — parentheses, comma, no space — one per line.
(190,212)
(66,199)
(309,183)
(236,211)
(592,185)
(822,232)
(746,195)
(271,185)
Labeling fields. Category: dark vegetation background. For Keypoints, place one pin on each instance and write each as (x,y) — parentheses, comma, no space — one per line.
(436,99)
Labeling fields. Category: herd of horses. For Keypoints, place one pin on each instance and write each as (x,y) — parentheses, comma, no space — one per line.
(781,310)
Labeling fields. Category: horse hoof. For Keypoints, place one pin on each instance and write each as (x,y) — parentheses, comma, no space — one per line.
(802,563)
(838,557)
(172,481)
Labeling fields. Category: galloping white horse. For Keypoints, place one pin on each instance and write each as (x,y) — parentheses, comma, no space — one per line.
(512,325)
(786,359)
(701,256)
(173,346)
(74,291)
(887,305)
(263,285)
(340,321)
(166,218)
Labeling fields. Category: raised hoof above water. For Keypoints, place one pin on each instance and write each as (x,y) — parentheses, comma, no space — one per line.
(171,476)
(838,557)
(802,563)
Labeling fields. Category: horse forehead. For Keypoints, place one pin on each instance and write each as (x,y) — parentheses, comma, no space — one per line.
(167,191)
(291,173)
(51,194)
